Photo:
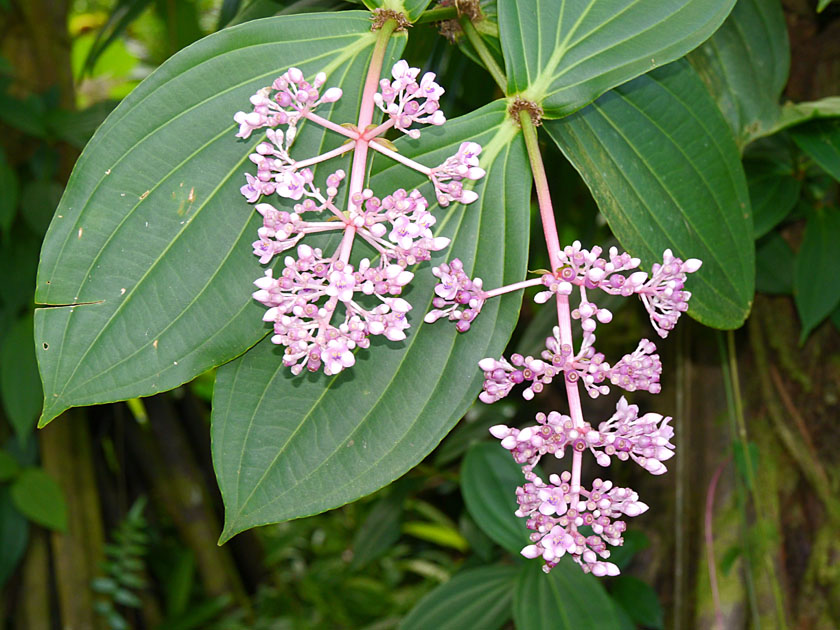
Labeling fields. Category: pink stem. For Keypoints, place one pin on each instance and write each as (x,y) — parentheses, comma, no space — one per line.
(511,287)
(401,159)
(344,148)
(360,151)
(370,134)
(344,131)
(710,540)
(564,318)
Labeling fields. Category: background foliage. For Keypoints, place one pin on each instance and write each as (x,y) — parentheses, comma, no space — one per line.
(410,554)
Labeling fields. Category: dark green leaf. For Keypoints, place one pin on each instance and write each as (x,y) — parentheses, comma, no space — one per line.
(256,9)
(227,12)
(342,437)
(77,127)
(14,532)
(745,64)
(774,192)
(19,383)
(379,531)
(639,600)
(565,599)
(774,265)
(476,598)
(38,202)
(9,195)
(563,54)
(38,497)
(151,242)
(25,115)
(634,541)
(489,478)
(820,139)
(480,542)
(816,285)
(662,165)
(8,466)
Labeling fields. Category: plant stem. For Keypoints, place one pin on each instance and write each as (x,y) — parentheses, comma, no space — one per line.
(425,170)
(512,287)
(564,318)
(741,498)
(360,150)
(319,120)
(325,156)
(438,14)
(483,52)
(752,483)
(710,542)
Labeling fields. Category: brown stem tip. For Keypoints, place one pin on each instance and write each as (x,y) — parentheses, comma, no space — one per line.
(534,111)
(469,8)
(380,16)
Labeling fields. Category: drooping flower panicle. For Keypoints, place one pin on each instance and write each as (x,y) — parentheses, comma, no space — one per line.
(556,511)
(321,306)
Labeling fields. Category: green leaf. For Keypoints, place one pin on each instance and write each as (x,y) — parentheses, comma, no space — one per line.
(774,265)
(19,383)
(443,535)
(38,202)
(8,466)
(77,127)
(634,542)
(639,600)
(822,4)
(798,113)
(379,531)
(662,165)
(563,54)
(150,249)
(774,192)
(342,437)
(816,285)
(9,197)
(119,19)
(745,64)
(40,499)
(476,598)
(489,478)
(820,139)
(565,599)
(14,532)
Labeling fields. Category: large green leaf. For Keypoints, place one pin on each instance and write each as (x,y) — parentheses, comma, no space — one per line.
(563,54)
(285,447)
(476,598)
(820,139)
(565,599)
(489,478)
(745,64)
(150,246)
(664,169)
(639,600)
(816,284)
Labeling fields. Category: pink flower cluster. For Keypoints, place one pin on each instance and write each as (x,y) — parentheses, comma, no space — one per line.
(554,512)
(323,307)
(407,101)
